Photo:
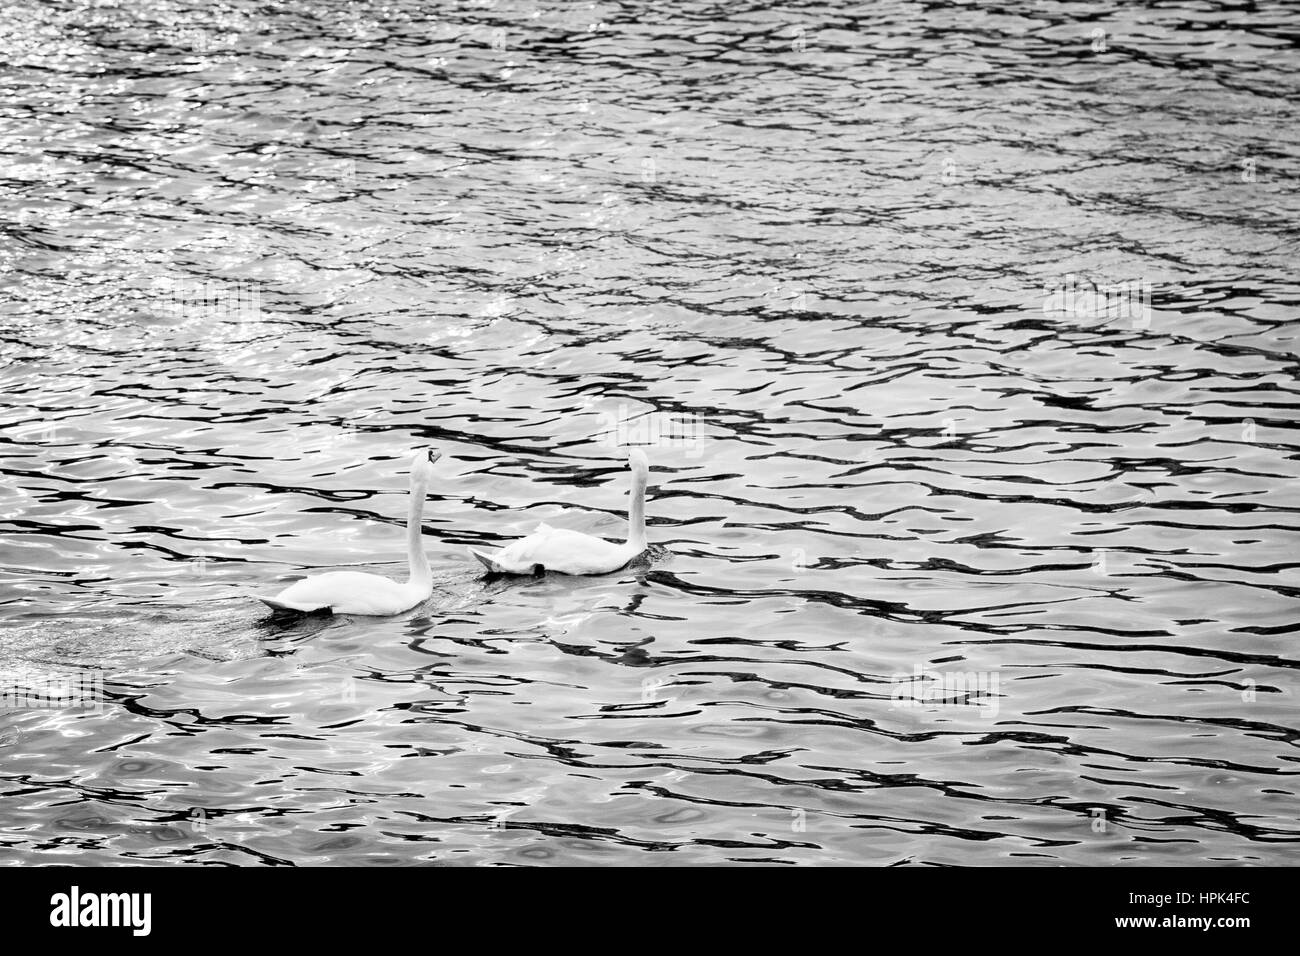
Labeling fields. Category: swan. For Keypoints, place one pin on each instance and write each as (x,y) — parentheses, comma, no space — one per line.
(355,592)
(572,552)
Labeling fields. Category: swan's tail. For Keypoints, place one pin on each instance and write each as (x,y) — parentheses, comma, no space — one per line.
(487,562)
(283,607)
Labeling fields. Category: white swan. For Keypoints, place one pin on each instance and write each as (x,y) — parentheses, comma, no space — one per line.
(572,552)
(355,592)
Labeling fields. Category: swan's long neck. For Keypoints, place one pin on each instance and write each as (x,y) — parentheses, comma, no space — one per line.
(636,511)
(420,573)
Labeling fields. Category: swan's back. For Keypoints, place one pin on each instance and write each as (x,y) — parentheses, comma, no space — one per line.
(562,550)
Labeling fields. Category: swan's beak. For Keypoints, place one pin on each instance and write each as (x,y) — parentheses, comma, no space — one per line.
(434,455)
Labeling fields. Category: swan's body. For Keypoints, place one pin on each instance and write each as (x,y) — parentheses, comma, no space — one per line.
(560,550)
(355,592)
(349,592)
(572,552)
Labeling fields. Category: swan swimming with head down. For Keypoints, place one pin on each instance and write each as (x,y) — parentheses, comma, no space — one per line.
(572,552)
(355,592)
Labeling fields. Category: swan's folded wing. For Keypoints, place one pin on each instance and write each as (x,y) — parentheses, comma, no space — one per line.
(519,557)
(563,550)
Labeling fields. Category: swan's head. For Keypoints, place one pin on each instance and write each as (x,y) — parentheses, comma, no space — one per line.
(636,460)
(422,464)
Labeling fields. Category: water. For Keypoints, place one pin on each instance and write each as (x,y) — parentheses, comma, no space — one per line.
(955,561)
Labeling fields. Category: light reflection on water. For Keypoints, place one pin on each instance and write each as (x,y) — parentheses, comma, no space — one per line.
(816,258)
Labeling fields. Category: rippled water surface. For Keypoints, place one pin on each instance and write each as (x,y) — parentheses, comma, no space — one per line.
(953,560)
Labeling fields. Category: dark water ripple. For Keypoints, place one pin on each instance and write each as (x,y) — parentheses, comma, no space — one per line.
(252,254)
